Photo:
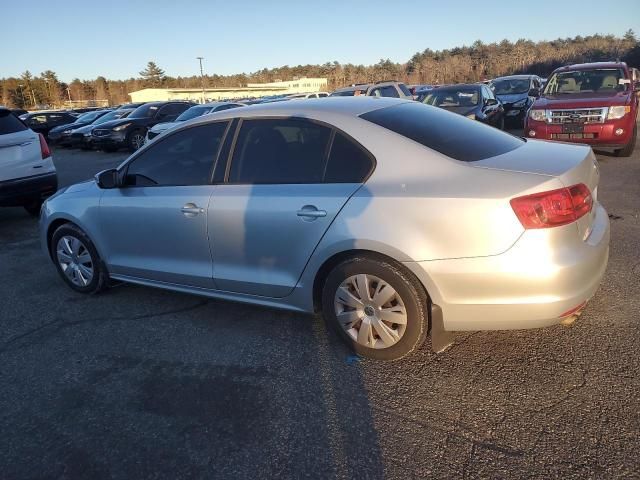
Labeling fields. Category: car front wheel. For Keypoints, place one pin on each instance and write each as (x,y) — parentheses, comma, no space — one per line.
(377,306)
(136,140)
(77,260)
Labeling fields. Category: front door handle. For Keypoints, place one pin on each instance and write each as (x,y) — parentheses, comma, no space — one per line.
(191,210)
(311,212)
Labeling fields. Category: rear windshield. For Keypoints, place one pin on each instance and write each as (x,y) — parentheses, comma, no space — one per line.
(448,133)
(9,123)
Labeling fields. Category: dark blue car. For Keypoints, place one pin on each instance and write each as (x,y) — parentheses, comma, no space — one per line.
(516,93)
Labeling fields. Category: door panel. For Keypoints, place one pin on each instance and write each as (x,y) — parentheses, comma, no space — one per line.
(146,234)
(263,235)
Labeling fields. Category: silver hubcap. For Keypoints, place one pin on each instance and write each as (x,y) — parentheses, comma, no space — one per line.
(370,311)
(137,140)
(75,260)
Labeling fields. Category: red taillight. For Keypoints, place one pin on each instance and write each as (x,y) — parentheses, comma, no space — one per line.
(44,148)
(553,208)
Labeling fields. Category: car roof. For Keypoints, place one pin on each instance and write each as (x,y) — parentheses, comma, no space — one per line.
(333,106)
(506,77)
(359,86)
(588,66)
(456,86)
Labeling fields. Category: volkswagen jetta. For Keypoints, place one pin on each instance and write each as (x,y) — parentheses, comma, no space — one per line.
(386,215)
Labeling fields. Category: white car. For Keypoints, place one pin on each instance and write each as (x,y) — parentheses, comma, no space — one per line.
(302,96)
(27,173)
(193,112)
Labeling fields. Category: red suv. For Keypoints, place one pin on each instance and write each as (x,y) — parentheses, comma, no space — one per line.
(593,103)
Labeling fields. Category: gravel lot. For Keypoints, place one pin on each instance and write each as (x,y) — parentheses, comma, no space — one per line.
(141,383)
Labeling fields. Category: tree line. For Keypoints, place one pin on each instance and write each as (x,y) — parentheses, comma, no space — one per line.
(474,63)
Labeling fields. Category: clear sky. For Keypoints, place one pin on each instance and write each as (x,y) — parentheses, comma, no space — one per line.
(116,38)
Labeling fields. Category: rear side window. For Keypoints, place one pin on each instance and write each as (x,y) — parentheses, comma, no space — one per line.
(388,91)
(348,162)
(279,151)
(448,133)
(9,123)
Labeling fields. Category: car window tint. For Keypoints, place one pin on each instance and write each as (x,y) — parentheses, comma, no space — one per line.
(9,123)
(322,95)
(444,132)
(183,158)
(348,162)
(279,151)
(404,89)
(388,91)
(38,120)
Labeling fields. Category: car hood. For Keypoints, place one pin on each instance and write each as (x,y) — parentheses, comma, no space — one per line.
(121,121)
(161,127)
(61,128)
(80,187)
(86,128)
(512,97)
(582,100)
(461,110)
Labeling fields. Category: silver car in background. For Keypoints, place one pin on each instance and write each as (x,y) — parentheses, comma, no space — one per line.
(190,114)
(388,216)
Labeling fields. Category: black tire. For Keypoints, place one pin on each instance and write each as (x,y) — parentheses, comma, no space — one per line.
(33,208)
(100,278)
(408,288)
(501,123)
(627,150)
(131,140)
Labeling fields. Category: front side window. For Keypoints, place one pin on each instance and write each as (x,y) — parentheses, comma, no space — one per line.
(404,89)
(599,80)
(183,158)
(279,151)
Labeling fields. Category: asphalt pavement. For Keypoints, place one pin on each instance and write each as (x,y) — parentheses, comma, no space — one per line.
(142,383)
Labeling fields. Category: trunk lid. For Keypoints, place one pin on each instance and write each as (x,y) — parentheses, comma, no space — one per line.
(570,164)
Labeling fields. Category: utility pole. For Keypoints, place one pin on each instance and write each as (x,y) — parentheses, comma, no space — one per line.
(69,94)
(201,77)
(24,103)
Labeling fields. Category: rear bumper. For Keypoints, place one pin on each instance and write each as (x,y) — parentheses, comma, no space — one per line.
(529,286)
(22,191)
(603,134)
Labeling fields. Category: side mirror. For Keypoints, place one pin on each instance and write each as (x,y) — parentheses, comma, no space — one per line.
(107,178)
(534,92)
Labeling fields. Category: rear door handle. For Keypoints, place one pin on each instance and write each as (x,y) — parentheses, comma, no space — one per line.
(191,210)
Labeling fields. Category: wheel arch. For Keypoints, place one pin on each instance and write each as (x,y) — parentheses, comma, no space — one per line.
(331,262)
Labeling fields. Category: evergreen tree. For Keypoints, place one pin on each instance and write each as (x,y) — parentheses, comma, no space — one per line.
(153,75)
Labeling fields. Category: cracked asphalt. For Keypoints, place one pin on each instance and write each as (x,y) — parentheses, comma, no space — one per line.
(141,383)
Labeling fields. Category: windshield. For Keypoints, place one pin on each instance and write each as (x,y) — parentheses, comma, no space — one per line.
(105,118)
(510,86)
(193,112)
(88,117)
(600,80)
(465,97)
(144,111)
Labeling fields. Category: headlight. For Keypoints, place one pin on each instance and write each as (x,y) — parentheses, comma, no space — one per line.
(538,115)
(472,116)
(520,103)
(64,132)
(618,112)
(119,128)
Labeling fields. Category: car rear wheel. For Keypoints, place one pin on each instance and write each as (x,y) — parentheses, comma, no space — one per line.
(77,260)
(627,150)
(136,140)
(378,307)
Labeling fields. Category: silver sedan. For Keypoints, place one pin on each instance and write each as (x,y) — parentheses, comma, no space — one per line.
(388,216)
